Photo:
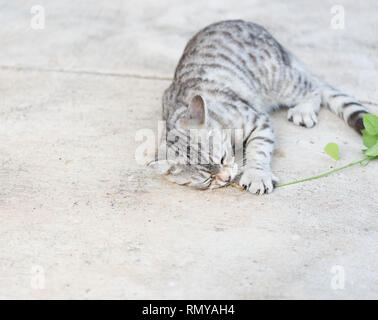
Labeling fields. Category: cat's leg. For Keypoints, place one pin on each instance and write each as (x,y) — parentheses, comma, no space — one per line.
(305,113)
(257,176)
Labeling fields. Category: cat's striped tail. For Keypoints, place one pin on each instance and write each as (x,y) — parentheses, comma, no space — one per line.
(345,106)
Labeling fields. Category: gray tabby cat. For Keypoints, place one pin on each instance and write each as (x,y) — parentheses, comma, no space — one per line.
(230,76)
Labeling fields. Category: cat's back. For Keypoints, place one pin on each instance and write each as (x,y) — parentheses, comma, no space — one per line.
(235,32)
(231,38)
(229,61)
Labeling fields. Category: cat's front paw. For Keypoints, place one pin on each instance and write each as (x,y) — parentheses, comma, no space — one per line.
(303,115)
(258,181)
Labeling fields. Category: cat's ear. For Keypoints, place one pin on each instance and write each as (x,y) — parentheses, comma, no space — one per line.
(196,112)
(195,116)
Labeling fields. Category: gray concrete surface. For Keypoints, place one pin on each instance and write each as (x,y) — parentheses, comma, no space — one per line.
(81,219)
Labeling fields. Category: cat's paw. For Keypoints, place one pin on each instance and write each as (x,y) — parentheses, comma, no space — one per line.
(258,181)
(305,117)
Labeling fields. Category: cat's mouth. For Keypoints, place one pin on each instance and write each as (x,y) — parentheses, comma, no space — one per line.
(224,177)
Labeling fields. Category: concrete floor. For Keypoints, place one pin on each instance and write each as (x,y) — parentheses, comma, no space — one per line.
(81,219)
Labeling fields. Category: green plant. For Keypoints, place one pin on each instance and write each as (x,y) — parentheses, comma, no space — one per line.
(369,139)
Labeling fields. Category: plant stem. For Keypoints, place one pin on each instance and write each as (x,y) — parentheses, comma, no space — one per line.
(324,174)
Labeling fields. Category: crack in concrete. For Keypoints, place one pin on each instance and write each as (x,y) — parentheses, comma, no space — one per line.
(86,72)
(113,74)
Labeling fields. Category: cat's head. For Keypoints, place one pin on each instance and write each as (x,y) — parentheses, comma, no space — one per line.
(196,153)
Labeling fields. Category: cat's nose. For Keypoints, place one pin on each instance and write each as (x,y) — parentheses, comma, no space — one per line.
(223,175)
(226,174)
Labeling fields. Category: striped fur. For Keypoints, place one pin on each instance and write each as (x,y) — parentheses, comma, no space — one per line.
(346,107)
(230,76)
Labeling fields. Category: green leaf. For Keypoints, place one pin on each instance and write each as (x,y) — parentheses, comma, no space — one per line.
(372,151)
(333,150)
(370,123)
(368,140)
